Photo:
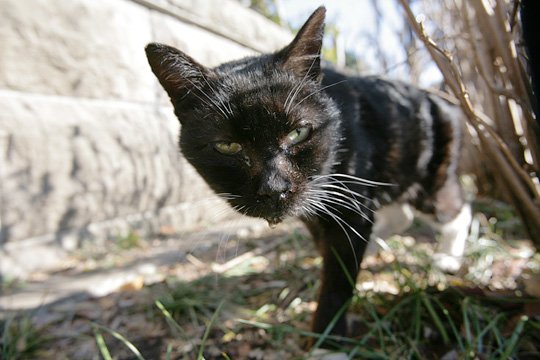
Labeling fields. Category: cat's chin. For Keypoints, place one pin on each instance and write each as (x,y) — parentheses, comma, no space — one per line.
(277,218)
(273,221)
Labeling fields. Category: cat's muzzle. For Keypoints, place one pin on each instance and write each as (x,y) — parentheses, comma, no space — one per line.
(277,207)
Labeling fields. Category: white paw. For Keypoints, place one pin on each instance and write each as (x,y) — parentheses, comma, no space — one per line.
(324,354)
(447,263)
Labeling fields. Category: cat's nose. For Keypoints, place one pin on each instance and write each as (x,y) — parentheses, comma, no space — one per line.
(275,188)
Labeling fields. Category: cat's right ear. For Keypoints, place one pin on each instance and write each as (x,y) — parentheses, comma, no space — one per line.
(302,56)
(177,72)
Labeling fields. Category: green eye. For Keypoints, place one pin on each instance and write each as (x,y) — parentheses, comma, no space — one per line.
(298,135)
(228,148)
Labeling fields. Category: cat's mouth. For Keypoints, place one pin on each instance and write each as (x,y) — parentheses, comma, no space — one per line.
(273,221)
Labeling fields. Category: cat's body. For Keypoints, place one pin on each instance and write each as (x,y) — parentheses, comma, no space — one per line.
(407,140)
(281,137)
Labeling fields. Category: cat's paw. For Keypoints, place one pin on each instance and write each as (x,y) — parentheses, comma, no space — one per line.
(447,263)
(325,354)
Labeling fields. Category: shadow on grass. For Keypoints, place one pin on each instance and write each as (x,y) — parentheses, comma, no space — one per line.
(252,319)
(261,309)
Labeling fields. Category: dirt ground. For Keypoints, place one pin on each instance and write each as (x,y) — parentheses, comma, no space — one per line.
(247,292)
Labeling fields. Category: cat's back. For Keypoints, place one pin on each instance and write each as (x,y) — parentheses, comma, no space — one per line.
(385,100)
(405,133)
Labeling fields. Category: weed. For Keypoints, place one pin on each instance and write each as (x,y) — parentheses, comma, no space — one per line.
(19,338)
(102,346)
(8,284)
(196,298)
(129,241)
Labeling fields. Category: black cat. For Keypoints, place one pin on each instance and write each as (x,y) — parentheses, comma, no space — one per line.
(282,137)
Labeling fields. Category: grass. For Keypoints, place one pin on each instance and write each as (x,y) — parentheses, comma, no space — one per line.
(102,346)
(129,241)
(262,309)
(19,338)
(427,323)
(424,323)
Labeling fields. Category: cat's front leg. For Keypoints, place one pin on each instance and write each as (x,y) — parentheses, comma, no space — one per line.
(342,250)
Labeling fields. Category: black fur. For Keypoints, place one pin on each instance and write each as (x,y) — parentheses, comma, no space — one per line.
(361,127)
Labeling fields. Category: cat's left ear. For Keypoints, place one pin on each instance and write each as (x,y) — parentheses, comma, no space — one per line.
(302,56)
(177,72)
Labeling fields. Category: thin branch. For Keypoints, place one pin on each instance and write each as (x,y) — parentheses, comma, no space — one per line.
(523,190)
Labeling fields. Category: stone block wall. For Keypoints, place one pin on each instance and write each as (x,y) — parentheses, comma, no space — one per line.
(88,140)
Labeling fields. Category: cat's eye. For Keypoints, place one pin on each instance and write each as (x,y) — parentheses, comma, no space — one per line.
(228,148)
(298,135)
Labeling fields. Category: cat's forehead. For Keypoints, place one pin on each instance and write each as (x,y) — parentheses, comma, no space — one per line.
(254,73)
(261,95)
(251,84)
(257,93)
(254,64)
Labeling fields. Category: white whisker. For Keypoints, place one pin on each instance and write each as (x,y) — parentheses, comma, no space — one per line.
(317,91)
(228,196)
(360,181)
(340,223)
(354,205)
(345,189)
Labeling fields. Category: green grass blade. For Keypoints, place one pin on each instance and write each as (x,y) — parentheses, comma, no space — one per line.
(324,335)
(511,344)
(7,342)
(379,326)
(357,353)
(414,349)
(208,328)
(363,354)
(450,321)
(417,319)
(289,329)
(436,318)
(123,340)
(102,346)
(480,317)
(466,322)
(387,317)
(170,320)
(491,326)
(499,338)
(350,279)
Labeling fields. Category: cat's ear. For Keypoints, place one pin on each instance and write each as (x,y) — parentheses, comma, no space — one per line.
(302,56)
(177,72)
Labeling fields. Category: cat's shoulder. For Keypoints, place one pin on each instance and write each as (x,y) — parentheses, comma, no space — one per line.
(379,89)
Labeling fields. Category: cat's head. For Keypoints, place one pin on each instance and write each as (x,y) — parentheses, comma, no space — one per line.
(259,129)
